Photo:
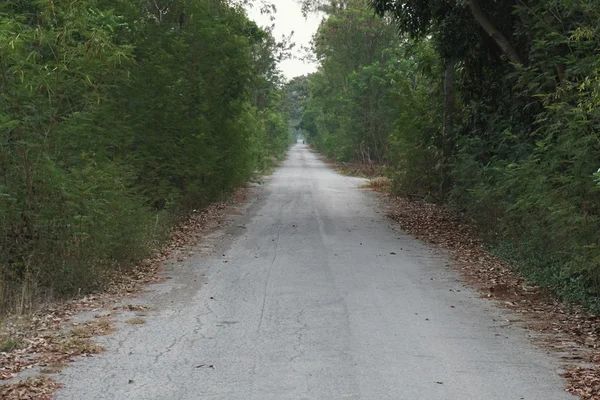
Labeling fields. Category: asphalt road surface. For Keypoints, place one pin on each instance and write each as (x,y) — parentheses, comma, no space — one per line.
(302,297)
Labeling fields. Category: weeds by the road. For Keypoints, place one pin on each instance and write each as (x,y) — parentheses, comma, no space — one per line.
(103,326)
(379,184)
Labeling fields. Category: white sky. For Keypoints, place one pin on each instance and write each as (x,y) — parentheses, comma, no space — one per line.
(289,18)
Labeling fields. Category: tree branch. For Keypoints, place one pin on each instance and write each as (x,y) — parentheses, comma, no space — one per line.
(494,33)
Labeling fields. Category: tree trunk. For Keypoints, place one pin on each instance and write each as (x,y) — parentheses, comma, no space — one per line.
(447,137)
(494,33)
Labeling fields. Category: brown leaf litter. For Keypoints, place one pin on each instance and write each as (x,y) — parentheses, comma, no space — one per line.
(48,339)
(568,330)
(42,388)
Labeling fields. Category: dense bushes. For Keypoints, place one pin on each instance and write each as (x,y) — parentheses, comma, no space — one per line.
(116,117)
(349,114)
(495,109)
(374,98)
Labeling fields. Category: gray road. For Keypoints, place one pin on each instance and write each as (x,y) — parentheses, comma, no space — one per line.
(300,298)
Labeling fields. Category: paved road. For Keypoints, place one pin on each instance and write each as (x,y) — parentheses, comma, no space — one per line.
(301,298)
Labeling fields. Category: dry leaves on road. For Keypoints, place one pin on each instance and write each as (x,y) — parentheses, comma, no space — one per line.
(569,331)
(42,388)
(584,382)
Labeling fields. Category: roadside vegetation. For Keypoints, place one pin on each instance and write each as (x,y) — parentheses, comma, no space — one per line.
(490,107)
(117,119)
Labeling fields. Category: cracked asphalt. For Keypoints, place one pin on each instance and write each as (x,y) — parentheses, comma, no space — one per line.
(309,293)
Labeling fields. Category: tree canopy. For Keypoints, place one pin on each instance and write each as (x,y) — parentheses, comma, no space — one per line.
(116,119)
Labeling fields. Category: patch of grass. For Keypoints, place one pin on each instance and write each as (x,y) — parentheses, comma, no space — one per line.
(96,328)
(379,184)
(79,346)
(52,369)
(136,321)
(103,327)
(84,331)
(8,345)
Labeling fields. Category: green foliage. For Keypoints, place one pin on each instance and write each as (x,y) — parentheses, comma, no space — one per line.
(116,118)
(415,153)
(525,148)
(376,98)
(9,345)
(349,112)
(297,92)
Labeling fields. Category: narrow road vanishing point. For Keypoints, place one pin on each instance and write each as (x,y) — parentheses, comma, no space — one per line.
(310,294)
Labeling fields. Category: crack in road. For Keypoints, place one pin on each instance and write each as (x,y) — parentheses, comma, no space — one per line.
(265,290)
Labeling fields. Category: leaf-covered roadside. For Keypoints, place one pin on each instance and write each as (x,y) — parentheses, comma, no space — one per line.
(571,332)
(31,389)
(49,339)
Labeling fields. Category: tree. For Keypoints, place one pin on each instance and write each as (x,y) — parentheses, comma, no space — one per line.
(350,110)
(417,18)
(117,118)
